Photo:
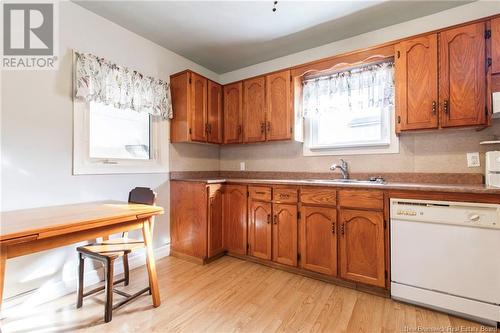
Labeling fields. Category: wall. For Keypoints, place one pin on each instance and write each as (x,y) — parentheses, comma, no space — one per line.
(37,134)
(433,151)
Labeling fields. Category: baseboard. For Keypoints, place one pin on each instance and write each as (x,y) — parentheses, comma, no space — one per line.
(62,288)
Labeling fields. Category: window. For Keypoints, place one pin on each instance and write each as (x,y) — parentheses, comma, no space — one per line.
(118,134)
(350,112)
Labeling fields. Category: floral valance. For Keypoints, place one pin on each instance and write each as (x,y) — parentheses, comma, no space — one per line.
(99,80)
(358,90)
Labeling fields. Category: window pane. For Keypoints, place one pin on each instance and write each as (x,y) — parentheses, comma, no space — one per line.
(118,134)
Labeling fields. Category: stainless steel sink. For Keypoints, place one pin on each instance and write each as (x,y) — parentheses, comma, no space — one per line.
(346,181)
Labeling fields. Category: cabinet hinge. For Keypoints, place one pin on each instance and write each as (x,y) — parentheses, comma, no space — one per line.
(487,34)
(298,215)
(298,256)
(399,54)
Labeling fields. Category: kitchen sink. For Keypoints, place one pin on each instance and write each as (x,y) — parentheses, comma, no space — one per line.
(377,181)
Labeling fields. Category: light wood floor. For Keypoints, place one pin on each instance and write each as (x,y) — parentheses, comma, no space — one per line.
(233,295)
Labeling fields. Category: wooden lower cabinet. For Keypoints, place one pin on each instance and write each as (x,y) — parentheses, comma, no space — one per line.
(285,234)
(318,239)
(235,219)
(362,256)
(260,229)
(196,219)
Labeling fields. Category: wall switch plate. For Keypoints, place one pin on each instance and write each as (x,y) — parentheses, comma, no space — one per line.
(473,160)
(242,166)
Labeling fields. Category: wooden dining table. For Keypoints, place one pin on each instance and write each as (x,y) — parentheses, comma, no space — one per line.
(28,231)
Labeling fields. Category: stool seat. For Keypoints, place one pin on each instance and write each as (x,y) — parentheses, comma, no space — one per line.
(112,248)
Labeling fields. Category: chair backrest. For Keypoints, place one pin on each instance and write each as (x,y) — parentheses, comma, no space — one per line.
(142,195)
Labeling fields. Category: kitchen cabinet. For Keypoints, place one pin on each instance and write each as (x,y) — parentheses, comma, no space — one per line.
(362,256)
(462,76)
(279,115)
(214,113)
(197,108)
(284,234)
(495,45)
(318,239)
(235,219)
(196,220)
(417,83)
(254,110)
(233,113)
(260,229)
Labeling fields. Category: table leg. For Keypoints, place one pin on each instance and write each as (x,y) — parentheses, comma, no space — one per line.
(3,261)
(150,263)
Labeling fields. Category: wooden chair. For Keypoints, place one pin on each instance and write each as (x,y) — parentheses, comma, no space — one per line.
(107,252)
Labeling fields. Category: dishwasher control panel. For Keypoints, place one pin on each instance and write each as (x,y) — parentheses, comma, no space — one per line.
(447,212)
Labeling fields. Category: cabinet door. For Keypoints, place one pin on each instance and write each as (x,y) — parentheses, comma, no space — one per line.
(259,214)
(254,110)
(462,76)
(279,106)
(215,206)
(417,83)
(235,219)
(318,239)
(233,113)
(362,256)
(214,113)
(285,234)
(198,100)
(495,45)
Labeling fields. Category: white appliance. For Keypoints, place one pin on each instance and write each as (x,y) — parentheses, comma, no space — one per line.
(493,168)
(496,104)
(446,256)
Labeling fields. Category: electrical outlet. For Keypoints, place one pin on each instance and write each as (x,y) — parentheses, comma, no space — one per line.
(242,166)
(473,160)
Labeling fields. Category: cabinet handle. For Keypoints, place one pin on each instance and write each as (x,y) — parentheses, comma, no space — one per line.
(260,192)
(239,130)
(333,227)
(284,196)
(445,107)
(275,219)
(342,231)
(269,126)
(262,127)
(434,105)
(268,218)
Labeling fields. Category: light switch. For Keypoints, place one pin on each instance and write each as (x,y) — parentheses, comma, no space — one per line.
(242,166)
(473,160)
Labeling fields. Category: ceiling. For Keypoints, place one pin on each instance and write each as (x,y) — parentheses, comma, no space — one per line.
(227,35)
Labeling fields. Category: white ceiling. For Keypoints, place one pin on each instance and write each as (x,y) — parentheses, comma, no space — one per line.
(227,35)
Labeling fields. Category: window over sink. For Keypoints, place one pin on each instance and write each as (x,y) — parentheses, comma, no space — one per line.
(350,111)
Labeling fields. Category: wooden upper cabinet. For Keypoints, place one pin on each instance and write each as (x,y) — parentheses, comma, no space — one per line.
(279,106)
(285,234)
(235,218)
(259,238)
(233,113)
(318,239)
(215,223)
(214,113)
(462,75)
(362,256)
(417,83)
(198,107)
(495,45)
(254,110)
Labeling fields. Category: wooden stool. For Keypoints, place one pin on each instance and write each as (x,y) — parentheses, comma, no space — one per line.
(106,252)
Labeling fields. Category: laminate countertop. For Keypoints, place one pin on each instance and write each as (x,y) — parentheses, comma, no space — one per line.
(452,188)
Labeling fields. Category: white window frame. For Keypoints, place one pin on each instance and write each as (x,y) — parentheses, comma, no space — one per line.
(84,165)
(356,149)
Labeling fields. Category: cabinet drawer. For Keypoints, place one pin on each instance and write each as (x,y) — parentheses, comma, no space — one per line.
(361,199)
(285,195)
(318,195)
(260,193)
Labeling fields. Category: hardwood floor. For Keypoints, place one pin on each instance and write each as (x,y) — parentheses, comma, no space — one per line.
(232,295)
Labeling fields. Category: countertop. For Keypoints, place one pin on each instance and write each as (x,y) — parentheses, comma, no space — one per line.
(454,188)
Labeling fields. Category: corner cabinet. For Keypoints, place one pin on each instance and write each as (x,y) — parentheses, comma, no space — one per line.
(233,113)
(235,219)
(197,107)
(441,79)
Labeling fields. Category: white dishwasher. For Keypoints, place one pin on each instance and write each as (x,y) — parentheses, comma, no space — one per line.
(446,255)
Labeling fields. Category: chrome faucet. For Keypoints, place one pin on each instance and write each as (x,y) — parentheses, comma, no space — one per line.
(344,168)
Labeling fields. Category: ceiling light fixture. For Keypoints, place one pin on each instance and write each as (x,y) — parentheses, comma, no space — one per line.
(274,6)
